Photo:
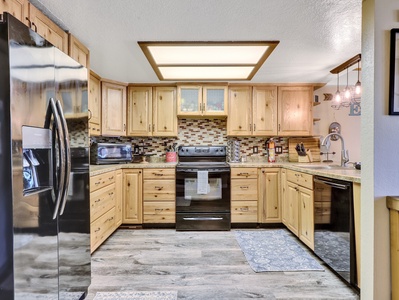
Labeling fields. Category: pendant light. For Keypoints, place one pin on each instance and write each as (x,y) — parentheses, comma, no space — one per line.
(338,94)
(358,85)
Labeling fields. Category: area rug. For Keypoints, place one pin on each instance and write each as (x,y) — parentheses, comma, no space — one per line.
(275,250)
(137,295)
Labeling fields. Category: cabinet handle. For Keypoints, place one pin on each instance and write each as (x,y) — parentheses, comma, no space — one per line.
(124,127)
(149,127)
(29,21)
(157,174)
(153,127)
(33,24)
(159,188)
(90,114)
(97,183)
(278,127)
(110,219)
(98,200)
(158,209)
(254,127)
(244,187)
(243,174)
(97,230)
(110,178)
(244,208)
(110,194)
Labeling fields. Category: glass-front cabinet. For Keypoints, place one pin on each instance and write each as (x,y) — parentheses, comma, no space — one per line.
(202,100)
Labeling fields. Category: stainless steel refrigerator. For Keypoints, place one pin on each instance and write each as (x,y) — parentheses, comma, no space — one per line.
(44,176)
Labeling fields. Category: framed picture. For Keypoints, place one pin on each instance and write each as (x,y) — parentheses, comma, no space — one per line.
(394,73)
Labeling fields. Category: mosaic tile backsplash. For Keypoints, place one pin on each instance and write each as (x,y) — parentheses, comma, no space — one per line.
(201,132)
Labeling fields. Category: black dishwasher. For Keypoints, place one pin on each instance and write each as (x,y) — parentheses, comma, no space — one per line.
(334,236)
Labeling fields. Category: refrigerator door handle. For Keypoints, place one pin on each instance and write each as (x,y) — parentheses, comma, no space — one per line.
(52,111)
(67,156)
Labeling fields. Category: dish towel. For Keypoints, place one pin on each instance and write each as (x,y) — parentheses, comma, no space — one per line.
(202,182)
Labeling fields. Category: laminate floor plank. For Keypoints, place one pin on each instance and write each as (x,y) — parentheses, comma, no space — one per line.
(201,265)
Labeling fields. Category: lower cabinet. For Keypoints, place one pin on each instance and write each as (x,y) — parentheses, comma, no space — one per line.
(132,196)
(244,195)
(298,208)
(118,198)
(159,196)
(269,208)
(103,208)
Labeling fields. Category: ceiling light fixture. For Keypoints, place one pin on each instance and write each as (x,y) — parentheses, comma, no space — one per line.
(338,94)
(347,89)
(358,85)
(207,60)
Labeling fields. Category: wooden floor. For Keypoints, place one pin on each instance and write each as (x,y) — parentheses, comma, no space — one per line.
(199,265)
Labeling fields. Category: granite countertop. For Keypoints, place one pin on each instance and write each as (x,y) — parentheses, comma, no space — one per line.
(348,174)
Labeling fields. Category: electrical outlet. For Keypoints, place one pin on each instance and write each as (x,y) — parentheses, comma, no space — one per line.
(255,149)
(279,149)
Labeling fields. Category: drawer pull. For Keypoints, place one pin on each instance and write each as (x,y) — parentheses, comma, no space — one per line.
(158,209)
(159,188)
(110,194)
(98,200)
(97,183)
(97,230)
(157,174)
(244,208)
(110,219)
(243,174)
(244,187)
(110,178)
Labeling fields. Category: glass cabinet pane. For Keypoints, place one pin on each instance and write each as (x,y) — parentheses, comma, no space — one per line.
(215,99)
(189,100)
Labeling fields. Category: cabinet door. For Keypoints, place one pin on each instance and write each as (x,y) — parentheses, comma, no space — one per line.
(139,111)
(239,120)
(189,101)
(264,111)
(94,104)
(295,106)
(113,121)
(164,115)
(270,200)
(18,8)
(118,198)
(214,100)
(306,215)
(78,51)
(48,29)
(292,201)
(132,197)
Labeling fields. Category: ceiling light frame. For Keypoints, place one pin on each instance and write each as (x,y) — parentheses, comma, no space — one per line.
(250,68)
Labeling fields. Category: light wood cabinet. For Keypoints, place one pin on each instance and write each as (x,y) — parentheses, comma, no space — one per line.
(48,29)
(139,111)
(164,111)
(113,108)
(252,111)
(244,195)
(94,104)
(269,210)
(118,197)
(284,202)
(201,100)
(159,196)
(103,215)
(132,196)
(18,8)
(78,51)
(295,105)
(299,207)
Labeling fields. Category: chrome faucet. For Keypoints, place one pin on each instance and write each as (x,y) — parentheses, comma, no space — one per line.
(344,153)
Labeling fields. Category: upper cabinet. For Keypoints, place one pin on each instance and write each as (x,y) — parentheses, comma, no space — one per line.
(139,111)
(78,51)
(295,104)
(18,8)
(270,111)
(252,111)
(94,104)
(164,111)
(47,29)
(202,100)
(113,117)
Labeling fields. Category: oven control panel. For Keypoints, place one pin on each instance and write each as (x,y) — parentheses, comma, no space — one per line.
(202,151)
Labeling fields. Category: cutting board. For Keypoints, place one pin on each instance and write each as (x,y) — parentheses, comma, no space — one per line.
(313,144)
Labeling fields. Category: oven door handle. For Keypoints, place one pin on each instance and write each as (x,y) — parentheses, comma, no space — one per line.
(333,184)
(202,218)
(196,171)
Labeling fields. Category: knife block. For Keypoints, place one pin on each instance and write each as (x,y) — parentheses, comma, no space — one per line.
(306,159)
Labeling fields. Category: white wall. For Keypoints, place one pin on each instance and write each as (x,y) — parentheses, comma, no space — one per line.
(380,138)
(350,125)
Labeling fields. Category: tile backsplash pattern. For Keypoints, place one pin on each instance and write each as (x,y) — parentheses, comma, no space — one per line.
(78,133)
(201,132)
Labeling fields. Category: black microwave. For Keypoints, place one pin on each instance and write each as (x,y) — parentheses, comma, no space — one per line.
(108,153)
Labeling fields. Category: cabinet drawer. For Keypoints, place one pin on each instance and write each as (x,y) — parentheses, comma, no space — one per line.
(244,173)
(244,189)
(302,179)
(101,201)
(99,181)
(159,174)
(102,228)
(159,190)
(159,212)
(244,211)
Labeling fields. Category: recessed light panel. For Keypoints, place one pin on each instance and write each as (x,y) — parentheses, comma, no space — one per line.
(206,60)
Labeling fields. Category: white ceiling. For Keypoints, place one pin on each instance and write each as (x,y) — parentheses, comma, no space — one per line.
(315,35)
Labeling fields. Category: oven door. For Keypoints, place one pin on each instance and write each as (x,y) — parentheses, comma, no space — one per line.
(203,190)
